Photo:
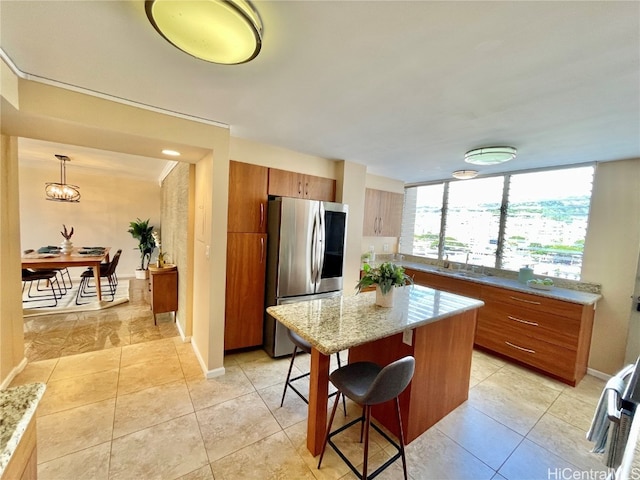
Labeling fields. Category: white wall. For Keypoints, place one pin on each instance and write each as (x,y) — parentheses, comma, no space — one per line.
(101,218)
(610,258)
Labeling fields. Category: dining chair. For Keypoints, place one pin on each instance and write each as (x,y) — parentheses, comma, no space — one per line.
(30,276)
(368,384)
(107,271)
(301,344)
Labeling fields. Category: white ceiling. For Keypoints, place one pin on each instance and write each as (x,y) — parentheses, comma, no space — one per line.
(403,87)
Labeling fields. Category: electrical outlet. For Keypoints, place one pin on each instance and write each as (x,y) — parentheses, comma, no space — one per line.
(385,247)
(407,337)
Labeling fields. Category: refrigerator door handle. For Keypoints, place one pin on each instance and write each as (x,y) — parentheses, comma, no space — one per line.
(314,241)
(321,244)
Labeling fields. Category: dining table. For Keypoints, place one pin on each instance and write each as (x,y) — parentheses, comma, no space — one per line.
(79,257)
(437,328)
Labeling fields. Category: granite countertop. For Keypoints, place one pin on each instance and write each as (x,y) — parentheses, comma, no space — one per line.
(335,324)
(568,295)
(17,407)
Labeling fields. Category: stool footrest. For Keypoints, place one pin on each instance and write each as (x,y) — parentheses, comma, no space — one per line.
(348,462)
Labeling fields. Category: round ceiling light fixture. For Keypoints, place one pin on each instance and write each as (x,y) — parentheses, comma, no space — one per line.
(228,32)
(464,174)
(490,155)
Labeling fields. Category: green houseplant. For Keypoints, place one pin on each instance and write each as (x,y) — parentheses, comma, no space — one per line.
(143,232)
(385,277)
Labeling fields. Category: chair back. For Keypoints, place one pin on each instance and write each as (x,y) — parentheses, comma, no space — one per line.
(391,381)
(114,263)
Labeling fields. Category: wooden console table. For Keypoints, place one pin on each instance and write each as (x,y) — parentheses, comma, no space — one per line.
(163,286)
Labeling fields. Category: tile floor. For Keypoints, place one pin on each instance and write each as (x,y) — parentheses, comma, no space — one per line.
(144,411)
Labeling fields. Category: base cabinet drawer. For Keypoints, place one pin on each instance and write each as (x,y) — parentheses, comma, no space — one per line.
(553,359)
(560,331)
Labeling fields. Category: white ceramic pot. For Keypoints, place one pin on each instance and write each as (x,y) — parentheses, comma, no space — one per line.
(384,300)
(66,247)
(142,274)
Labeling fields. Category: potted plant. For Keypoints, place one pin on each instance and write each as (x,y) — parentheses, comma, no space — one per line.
(143,232)
(385,277)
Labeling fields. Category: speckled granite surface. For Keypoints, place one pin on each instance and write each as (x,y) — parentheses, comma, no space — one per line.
(335,324)
(569,295)
(17,407)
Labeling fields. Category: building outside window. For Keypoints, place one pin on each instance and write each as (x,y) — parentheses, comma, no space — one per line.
(505,221)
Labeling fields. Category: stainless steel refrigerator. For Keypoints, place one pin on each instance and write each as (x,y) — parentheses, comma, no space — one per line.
(305,258)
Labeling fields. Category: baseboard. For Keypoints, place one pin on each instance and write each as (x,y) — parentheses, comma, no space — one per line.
(207,373)
(184,338)
(598,374)
(13,373)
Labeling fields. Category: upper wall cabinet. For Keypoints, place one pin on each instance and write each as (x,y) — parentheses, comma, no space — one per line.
(382,213)
(291,184)
(247,198)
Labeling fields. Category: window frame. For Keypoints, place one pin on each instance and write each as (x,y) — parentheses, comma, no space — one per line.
(504,206)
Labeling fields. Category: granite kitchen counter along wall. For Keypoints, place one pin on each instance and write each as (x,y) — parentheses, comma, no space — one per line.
(17,407)
(489,275)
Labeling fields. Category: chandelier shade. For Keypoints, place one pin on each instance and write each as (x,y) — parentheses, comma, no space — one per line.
(62,191)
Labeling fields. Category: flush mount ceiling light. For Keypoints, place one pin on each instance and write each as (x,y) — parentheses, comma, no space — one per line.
(465,174)
(218,31)
(62,192)
(490,155)
(171,153)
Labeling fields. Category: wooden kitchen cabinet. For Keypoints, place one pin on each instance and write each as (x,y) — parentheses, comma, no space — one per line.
(549,334)
(163,286)
(244,308)
(283,183)
(247,198)
(382,213)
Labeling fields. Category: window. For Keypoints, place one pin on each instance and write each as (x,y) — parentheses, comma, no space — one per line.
(505,221)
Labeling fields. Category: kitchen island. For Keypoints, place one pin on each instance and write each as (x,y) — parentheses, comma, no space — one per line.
(436,328)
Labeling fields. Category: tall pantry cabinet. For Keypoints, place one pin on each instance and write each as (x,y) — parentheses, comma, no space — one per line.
(246,255)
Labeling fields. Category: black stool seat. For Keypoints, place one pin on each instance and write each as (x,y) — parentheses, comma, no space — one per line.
(300,343)
(369,384)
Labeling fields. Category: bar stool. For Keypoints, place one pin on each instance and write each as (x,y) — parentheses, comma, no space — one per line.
(300,343)
(369,384)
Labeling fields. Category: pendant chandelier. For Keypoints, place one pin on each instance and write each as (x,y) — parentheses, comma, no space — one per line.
(62,192)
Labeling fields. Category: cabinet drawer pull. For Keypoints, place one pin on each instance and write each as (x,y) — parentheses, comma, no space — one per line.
(528,350)
(526,322)
(261,250)
(525,301)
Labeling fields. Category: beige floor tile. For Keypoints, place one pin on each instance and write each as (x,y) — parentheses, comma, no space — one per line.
(203,473)
(566,441)
(246,357)
(168,450)
(154,351)
(207,392)
(293,410)
(89,464)
(151,406)
(86,363)
(573,411)
(270,458)
(266,372)
(69,431)
(148,374)
(35,372)
(487,439)
(232,425)
(434,455)
(189,362)
(532,462)
(77,391)
(588,390)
